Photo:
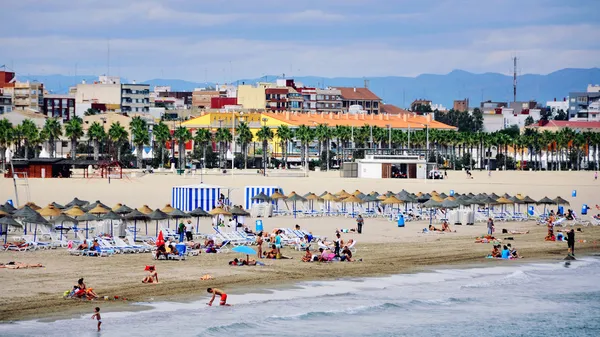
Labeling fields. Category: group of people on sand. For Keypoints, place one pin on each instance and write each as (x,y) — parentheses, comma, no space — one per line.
(445,228)
(336,250)
(81,291)
(507,252)
(20,265)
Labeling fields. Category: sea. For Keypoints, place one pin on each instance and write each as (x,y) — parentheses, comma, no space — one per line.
(500,298)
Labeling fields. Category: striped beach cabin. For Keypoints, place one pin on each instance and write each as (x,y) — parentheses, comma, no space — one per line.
(251,191)
(188,198)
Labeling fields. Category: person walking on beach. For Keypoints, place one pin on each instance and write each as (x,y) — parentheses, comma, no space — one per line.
(96,315)
(571,242)
(181,230)
(259,243)
(215,292)
(188,231)
(490,226)
(359,223)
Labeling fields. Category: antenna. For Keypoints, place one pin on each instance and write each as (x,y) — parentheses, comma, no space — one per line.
(515,79)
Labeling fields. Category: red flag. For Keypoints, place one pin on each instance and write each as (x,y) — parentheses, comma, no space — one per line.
(160,240)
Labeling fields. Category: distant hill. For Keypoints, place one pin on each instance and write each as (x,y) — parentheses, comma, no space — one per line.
(401,91)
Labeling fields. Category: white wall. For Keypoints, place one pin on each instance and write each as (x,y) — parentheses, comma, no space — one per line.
(369,170)
(421,171)
(98,93)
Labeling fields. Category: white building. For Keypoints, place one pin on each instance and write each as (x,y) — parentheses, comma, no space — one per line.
(98,92)
(593,88)
(390,166)
(555,106)
(508,117)
(135,97)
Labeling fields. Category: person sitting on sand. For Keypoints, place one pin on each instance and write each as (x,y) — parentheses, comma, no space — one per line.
(505,254)
(346,255)
(550,237)
(88,291)
(152,277)
(83,246)
(326,255)
(308,256)
(513,252)
(433,229)
(496,252)
(161,250)
(173,249)
(272,253)
(446,227)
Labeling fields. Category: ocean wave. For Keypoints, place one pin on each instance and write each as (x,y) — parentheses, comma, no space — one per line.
(308,296)
(328,313)
(244,326)
(445,301)
(516,277)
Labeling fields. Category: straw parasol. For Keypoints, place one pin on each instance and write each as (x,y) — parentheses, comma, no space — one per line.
(135,215)
(370,198)
(434,192)
(198,212)
(504,200)
(24,211)
(158,215)
(449,203)
(145,209)
(168,208)
(8,221)
(528,200)
(391,201)
(178,214)
(57,205)
(354,200)
(545,201)
(124,209)
(49,211)
(218,211)
(238,211)
(506,195)
(37,220)
(277,195)
(294,197)
(494,196)
(560,201)
(94,205)
(74,211)
(3,212)
(443,195)
(450,198)
(116,207)
(432,203)
(342,194)
(357,193)
(374,193)
(87,217)
(9,207)
(76,202)
(62,218)
(323,194)
(261,197)
(111,216)
(311,197)
(99,210)
(32,205)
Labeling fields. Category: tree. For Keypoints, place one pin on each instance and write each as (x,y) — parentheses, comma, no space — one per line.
(244,138)
(53,131)
(305,135)
(183,135)
(6,132)
(265,134)
(561,116)
(91,112)
(202,137)
(529,121)
(324,135)
(285,135)
(28,131)
(139,133)
(223,136)
(96,134)
(74,131)
(162,135)
(118,135)
(344,135)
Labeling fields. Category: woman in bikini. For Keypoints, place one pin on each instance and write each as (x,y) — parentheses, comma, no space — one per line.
(153,277)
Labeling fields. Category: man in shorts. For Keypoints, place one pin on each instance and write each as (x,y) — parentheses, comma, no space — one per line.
(215,292)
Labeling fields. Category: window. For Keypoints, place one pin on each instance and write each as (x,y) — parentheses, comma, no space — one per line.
(64,144)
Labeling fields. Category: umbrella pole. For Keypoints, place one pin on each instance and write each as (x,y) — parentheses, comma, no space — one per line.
(86,229)
(35,232)
(111,228)
(146,227)
(197,224)
(134,230)
(294,209)
(157,228)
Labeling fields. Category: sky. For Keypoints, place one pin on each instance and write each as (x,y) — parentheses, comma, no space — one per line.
(223,41)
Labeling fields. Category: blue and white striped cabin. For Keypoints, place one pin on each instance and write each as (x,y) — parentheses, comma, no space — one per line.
(251,191)
(188,198)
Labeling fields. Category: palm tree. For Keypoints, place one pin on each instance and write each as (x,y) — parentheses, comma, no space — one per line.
(344,135)
(202,137)
(223,136)
(139,133)
(285,134)
(183,135)
(96,134)
(53,131)
(244,138)
(28,131)
(6,131)
(74,130)
(162,135)
(118,135)
(379,136)
(39,139)
(305,135)
(324,135)
(265,134)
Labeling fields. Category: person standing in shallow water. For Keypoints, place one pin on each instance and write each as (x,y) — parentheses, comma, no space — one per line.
(571,242)
(359,224)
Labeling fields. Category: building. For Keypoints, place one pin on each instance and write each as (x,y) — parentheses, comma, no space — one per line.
(419,104)
(329,100)
(201,98)
(59,106)
(364,97)
(392,166)
(489,107)
(585,106)
(163,96)
(26,95)
(98,92)
(555,106)
(252,97)
(577,126)
(221,102)
(309,99)
(5,103)
(461,105)
(391,109)
(135,98)
(517,114)
(7,79)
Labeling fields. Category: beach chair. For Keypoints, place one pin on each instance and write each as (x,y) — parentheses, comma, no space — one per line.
(37,244)
(24,247)
(144,244)
(121,244)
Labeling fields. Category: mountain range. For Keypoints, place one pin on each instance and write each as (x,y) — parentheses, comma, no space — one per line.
(401,91)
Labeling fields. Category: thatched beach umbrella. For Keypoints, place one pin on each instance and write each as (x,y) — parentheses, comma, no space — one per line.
(158,215)
(493,196)
(545,201)
(449,203)
(32,205)
(94,205)
(342,194)
(116,206)
(311,197)
(3,212)
(135,215)
(124,209)
(431,204)
(87,217)
(527,200)
(57,205)
(168,208)
(506,195)
(277,195)
(354,200)
(175,214)
(74,211)
(391,201)
(37,220)
(328,197)
(443,195)
(294,197)
(261,197)
(7,221)
(197,213)
(374,193)
(23,213)
(219,211)
(9,207)
(145,209)
(560,201)
(98,210)
(112,216)
(49,211)
(61,219)
(238,211)
(76,202)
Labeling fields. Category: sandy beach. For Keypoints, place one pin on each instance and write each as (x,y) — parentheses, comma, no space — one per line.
(384,248)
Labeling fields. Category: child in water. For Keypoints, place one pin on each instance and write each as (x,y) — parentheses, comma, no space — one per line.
(96,315)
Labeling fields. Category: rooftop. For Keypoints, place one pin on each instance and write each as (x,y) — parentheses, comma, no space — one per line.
(393,110)
(358,94)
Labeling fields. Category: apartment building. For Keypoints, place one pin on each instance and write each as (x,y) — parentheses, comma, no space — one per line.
(419,104)
(329,100)
(59,106)
(5,103)
(201,98)
(585,105)
(309,99)
(7,79)
(461,105)
(26,95)
(135,97)
(364,97)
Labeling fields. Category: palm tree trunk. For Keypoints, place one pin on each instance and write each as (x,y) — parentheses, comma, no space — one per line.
(139,156)
(96,149)
(118,145)
(73,148)
(203,155)
(327,154)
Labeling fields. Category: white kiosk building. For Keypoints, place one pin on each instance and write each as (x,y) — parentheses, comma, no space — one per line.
(379,166)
